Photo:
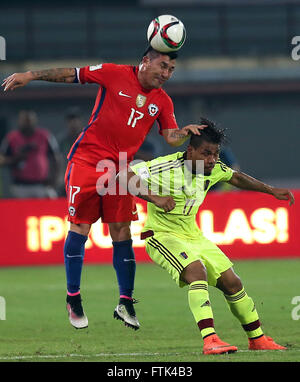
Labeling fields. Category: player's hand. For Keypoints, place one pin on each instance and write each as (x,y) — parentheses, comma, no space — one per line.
(16,80)
(192,129)
(283,194)
(167,203)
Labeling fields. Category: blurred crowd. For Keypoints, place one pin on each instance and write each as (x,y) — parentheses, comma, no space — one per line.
(35,160)
(34,157)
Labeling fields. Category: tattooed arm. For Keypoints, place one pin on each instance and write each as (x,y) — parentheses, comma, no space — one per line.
(176,137)
(17,80)
(247,182)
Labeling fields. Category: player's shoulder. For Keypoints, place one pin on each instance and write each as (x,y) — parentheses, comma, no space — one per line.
(110,67)
(221,166)
(166,161)
(156,166)
(221,172)
(118,67)
(164,95)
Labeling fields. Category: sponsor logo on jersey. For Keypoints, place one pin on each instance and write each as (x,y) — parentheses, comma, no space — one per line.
(152,109)
(140,100)
(123,94)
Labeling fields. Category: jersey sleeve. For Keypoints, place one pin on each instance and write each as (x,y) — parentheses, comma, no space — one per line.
(141,169)
(224,173)
(166,119)
(99,74)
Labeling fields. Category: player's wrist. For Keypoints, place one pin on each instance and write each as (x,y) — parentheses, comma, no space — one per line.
(270,190)
(153,198)
(29,75)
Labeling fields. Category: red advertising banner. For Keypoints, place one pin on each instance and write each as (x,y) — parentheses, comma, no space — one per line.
(245,225)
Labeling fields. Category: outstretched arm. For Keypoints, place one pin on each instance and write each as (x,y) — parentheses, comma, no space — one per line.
(246,182)
(17,80)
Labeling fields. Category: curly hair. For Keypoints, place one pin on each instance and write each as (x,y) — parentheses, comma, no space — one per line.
(211,134)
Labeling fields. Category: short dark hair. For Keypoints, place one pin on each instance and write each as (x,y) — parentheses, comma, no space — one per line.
(211,134)
(152,53)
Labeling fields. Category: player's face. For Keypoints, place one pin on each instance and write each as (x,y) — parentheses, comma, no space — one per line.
(155,72)
(207,152)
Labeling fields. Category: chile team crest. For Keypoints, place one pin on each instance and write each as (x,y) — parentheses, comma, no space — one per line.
(152,109)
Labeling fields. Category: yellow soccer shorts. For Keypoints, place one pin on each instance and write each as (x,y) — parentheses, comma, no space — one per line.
(174,253)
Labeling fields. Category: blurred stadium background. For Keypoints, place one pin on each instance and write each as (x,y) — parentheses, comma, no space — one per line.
(236,68)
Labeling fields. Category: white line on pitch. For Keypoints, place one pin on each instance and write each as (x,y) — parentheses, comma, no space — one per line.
(54,356)
(73,355)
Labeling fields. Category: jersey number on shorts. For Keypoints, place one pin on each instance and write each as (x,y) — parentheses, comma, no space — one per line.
(73,192)
(134,117)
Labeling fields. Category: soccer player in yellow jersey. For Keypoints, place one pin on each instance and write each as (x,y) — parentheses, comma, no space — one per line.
(175,186)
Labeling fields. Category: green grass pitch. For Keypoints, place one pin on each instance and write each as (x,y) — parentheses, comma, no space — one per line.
(36,327)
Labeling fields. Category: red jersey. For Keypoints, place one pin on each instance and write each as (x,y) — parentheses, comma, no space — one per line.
(123,114)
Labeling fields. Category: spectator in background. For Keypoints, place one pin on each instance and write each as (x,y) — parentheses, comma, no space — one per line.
(74,125)
(33,156)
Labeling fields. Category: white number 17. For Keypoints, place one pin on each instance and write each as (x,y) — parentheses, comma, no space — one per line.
(132,121)
(73,192)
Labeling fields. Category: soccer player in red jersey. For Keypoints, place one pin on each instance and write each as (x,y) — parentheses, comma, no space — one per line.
(129,100)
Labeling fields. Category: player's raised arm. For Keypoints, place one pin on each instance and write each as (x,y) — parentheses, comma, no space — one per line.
(176,137)
(246,182)
(16,80)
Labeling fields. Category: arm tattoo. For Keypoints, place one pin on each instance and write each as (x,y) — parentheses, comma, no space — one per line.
(176,134)
(55,75)
(247,182)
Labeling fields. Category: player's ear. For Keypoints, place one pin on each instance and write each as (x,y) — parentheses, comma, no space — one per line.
(145,62)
